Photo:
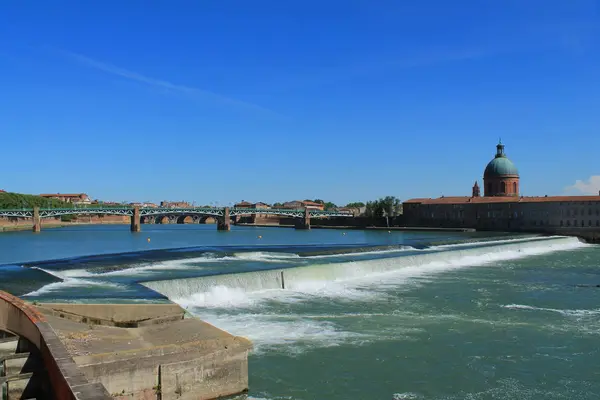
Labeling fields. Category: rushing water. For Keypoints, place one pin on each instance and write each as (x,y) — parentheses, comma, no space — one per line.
(350,315)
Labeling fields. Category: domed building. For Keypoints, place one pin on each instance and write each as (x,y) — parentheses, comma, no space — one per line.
(501,177)
(502,208)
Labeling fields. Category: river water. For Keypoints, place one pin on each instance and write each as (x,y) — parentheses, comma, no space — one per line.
(349,315)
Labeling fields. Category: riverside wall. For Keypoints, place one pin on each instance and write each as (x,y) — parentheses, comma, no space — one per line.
(65,380)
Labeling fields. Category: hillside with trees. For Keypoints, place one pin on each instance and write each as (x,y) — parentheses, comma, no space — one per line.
(18,200)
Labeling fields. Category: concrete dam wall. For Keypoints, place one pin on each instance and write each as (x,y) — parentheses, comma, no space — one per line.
(440,257)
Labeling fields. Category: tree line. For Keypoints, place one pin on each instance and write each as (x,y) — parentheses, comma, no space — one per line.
(18,200)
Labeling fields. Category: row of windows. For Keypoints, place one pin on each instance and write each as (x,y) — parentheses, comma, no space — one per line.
(576,212)
(532,213)
(568,223)
(574,203)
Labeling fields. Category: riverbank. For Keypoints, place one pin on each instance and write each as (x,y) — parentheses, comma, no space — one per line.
(23,227)
(374,228)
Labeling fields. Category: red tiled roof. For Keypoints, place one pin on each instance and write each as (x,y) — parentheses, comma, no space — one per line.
(311,203)
(501,199)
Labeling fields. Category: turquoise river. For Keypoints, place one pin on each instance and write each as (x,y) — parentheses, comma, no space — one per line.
(355,315)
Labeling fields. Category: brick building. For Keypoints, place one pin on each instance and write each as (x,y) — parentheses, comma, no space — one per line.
(79,198)
(256,218)
(302,204)
(502,208)
(175,204)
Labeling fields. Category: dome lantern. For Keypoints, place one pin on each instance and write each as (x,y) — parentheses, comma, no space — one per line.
(501,177)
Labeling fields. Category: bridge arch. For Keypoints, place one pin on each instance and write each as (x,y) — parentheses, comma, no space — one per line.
(187,219)
(162,219)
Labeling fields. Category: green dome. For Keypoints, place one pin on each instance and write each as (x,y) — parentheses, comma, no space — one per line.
(500,165)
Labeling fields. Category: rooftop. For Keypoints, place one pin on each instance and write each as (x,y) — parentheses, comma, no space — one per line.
(63,195)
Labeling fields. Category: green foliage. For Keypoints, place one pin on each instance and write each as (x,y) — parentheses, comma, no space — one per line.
(386,206)
(17,200)
(329,206)
(356,204)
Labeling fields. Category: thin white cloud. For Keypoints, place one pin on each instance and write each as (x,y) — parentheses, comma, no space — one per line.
(591,186)
(124,73)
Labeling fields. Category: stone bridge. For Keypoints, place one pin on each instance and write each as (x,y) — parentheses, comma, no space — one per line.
(222,215)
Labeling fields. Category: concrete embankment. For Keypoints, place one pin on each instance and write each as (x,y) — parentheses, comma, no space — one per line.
(375,228)
(49,371)
(151,351)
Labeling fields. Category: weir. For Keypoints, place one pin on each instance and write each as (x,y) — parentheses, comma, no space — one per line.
(293,278)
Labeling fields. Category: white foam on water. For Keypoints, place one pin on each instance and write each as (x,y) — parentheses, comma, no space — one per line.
(68,282)
(485,243)
(351,280)
(239,303)
(566,313)
(186,263)
(406,396)
(266,256)
(294,333)
(362,253)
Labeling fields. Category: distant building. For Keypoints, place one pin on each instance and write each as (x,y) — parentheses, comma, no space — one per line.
(144,205)
(80,198)
(355,211)
(175,204)
(256,218)
(2,191)
(302,204)
(502,208)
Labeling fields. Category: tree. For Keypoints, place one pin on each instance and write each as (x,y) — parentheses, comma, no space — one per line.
(18,200)
(329,206)
(388,206)
(356,204)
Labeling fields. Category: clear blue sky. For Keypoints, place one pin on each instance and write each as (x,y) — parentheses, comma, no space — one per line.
(276,100)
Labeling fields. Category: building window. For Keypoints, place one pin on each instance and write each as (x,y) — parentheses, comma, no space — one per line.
(575,223)
(569,223)
(561,222)
(582,223)
(589,211)
(515,187)
(598,222)
(503,187)
(590,222)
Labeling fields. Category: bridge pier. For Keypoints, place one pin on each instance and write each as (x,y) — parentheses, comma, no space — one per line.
(135,220)
(37,221)
(304,223)
(224,224)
